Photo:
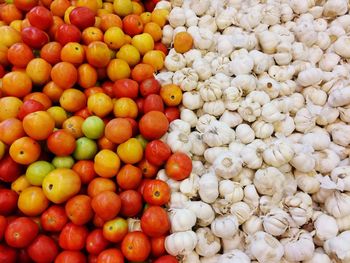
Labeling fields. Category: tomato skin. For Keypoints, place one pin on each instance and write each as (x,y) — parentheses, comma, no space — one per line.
(149,86)
(40,17)
(61,143)
(107,86)
(126,88)
(157,152)
(9,169)
(131,203)
(8,201)
(34,37)
(153,125)
(23,256)
(178,166)
(156,192)
(3,225)
(129,177)
(172,113)
(136,246)
(132,25)
(115,230)
(153,102)
(157,246)
(21,232)
(111,255)
(70,256)
(82,17)
(96,242)
(54,219)
(43,249)
(106,205)
(29,106)
(67,33)
(7,254)
(155,221)
(79,210)
(73,237)
(140,102)
(166,259)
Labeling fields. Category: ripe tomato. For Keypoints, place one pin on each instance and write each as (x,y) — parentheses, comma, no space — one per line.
(131,203)
(40,17)
(157,246)
(67,33)
(148,169)
(34,37)
(29,106)
(132,25)
(139,103)
(136,246)
(153,102)
(32,201)
(54,219)
(99,185)
(9,169)
(21,232)
(20,55)
(156,192)
(8,201)
(115,230)
(129,177)
(43,249)
(3,225)
(7,254)
(23,256)
(95,242)
(178,166)
(82,17)
(73,237)
(85,170)
(70,256)
(111,255)
(51,52)
(166,259)
(106,205)
(149,86)
(155,221)
(153,125)
(172,113)
(61,143)
(157,152)
(79,210)
(126,88)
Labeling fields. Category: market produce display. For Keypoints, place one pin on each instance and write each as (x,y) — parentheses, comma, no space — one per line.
(174,131)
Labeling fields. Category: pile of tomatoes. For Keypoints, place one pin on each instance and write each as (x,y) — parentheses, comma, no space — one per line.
(81,123)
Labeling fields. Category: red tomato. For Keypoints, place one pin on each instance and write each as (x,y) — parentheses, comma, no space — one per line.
(134,126)
(155,221)
(172,113)
(67,33)
(54,219)
(29,106)
(156,192)
(157,152)
(34,37)
(111,255)
(73,237)
(40,17)
(92,258)
(129,177)
(149,86)
(82,17)
(23,256)
(3,225)
(8,201)
(9,169)
(142,185)
(166,259)
(132,25)
(158,246)
(95,242)
(131,203)
(126,88)
(43,249)
(178,166)
(139,103)
(153,102)
(106,205)
(61,143)
(115,230)
(7,254)
(79,210)
(153,125)
(107,86)
(70,256)
(136,246)
(21,232)
(25,5)
(148,169)
(161,47)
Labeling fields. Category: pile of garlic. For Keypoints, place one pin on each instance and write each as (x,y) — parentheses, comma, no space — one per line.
(266,120)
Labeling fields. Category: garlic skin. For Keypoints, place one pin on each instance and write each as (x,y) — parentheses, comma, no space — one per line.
(218,134)
(253,225)
(225,226)
(230,191)
(204,212)
(242,211)
(234,256)
(179,141)
(276,222)
(208,245)
(180,243)
(298,247)
(208,188)
(227,165)
(339,247)
(337,204)
(326,227)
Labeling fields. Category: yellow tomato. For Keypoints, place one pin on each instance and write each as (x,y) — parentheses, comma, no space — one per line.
(32,201)
(61,184)
(9,107)
(67,13)
(143,42)
(107,163)
(146,17)
(130,54)
(9,36)
(20,184)
(16,24)
(125,108)
(137,8)
(171,94)
(160,16)
(118,69)
(114,37)
(100,104)
(58,114)
(2,149)
(155,58)
(39,71)
(123,7)
(154,30)
(130,151)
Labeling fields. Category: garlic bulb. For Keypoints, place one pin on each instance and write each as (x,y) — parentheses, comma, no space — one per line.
(278,153)
(242,211)
(208,245)
(298,247)
(134,224)
(179,141)
(190,185)
(234,256)
(326,227)
(252,225)
(230,191)
(269,181)
(180,243)
(227,165)
(318,257)
(339,246)
(299,207)
(177,17)
(203,212)
(208,187)
(338,204)
(174,61)
(225,226)
(276,222)
(218,134)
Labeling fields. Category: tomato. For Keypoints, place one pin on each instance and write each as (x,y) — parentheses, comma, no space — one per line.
(85,170)
(34,37)
(99,185)
(54,219)
(21,232)
(43,249)
(131,151)
(61,143)
(107,86)
(73,237)
(178,166)
(148,169)
(158,246)
(129,177)
(8,201)
(166,259)
(153,125)
(156,192)
(29,106)
(155,221)
(7,254)
(115,230)
(149,86)
(157,152)
(172,113)
(153,102)
(111,255)
(40,17)
(106,205)
(32,201)
(70,256)
(131,203)
(132,25)
(125,88)
(67,33)
(3,225)
(134,126)
(79,210)
(136,246)
(82,17)
(9,169)
(95,242)
(23,256)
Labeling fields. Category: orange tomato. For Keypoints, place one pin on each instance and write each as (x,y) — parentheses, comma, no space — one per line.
(183,42)
(9,107)
(118,69)
(85,170)
(72,100)
(25,150)
(125,108)
(131,151)
(16,84)
(59,7)
(53,91)
(154,30)
(51,52)
(99,104)
(9,36)
(106,205)
(129,177)
(91,4)
(91,34)
(11,129)
(87,76)
(40,97)
(79,209)
(58,114)
(19,55)
(32,201)
(141,72)
(99,185)
(98,54)
(118,130)
(107,163)
(73,52)
(171,94)
(155,58)
(39,71)
(64,74)
(38,125)
(73,125)
(3,55)
(110,20)
(93,90)
(9,13)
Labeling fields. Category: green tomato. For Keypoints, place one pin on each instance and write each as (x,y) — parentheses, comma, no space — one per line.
(86,149)
(63,161)
(37,171)
(93,127)
(142,140)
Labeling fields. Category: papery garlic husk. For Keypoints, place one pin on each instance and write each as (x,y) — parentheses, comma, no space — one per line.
(338,204)
(319,256)
(203,212)
(230,191)
(340,134)
(339,247)
(326,161)
(227,165)
(236,242)
(276,222)
(242,211)
(307,182)
(190,186)
(232,119)
(252,225)
(210,154)
(180,243)
(198,146)
(177,200)
(218,134)
(304,120)
(326,227)
(174,61)
(303,159)
(134,224)
(252,156)
(265,248)
(322,195)
(317,140)
(278,153)
(208,245)
(285,126)
(179,141)
(339,97)
(213,259)
(189,116)
(208,187)
(204,121)
(215,108)
(245,133)
(298,247)
(225,226)
(341,46)
(180,125)
(299,207)
(341,177)
(235,255)
(269,181)
(177,17)
(192,100)
(262,129)
(245,177)
(190,257)
(251,196)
